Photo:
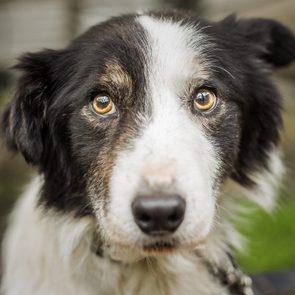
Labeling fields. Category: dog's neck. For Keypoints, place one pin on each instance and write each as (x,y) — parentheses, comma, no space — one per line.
(218,263)
(227,274)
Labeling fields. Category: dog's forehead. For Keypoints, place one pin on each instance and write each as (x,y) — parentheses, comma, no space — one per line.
(133,45)
(174,43)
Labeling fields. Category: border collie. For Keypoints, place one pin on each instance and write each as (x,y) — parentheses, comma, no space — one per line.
(135,128)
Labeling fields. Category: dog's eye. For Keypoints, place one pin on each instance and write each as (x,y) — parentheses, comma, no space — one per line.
(102,104)
(204,100)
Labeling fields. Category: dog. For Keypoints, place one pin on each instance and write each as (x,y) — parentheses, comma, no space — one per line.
(136,128)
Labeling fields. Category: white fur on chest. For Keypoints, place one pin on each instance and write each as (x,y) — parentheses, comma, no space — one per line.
(52,255)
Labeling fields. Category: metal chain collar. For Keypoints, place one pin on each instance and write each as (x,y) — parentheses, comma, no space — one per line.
(231,277)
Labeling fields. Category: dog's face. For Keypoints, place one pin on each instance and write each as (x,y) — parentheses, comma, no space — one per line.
(141,120)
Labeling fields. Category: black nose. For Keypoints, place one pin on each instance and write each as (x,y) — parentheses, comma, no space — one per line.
(158,215)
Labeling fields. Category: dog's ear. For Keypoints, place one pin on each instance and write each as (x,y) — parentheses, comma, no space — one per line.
(266,43)
(24,119)
(274,43)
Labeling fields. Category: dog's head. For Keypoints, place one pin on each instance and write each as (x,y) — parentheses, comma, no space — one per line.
(140,121)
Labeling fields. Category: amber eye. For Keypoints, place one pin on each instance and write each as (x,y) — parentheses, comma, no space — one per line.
(204,100)
(102,104)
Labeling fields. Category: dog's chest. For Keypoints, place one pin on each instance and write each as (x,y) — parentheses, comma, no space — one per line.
(172,276)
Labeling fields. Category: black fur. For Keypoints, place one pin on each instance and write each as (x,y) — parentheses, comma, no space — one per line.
(251,48)
(43,119)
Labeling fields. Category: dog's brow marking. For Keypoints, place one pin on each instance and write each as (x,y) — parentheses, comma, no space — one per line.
(114,73)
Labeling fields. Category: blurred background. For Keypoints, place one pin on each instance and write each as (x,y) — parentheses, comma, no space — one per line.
(31,25)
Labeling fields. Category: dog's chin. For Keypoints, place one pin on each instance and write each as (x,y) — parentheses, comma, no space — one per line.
(163,247)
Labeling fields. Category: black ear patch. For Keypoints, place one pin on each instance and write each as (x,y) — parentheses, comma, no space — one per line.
(263,42)
(250,48)
(23,120)
(274,42)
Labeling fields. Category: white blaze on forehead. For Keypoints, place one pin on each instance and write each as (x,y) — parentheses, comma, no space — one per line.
(176,49)
(173,149)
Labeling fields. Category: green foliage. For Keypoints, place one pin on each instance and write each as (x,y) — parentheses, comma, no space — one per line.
(271,242)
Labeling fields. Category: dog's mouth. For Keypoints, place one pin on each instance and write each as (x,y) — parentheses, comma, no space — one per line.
(158,247)
(161,247)
(169,246)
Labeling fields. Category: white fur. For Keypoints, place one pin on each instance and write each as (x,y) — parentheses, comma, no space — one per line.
(268,181)
(49,254)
